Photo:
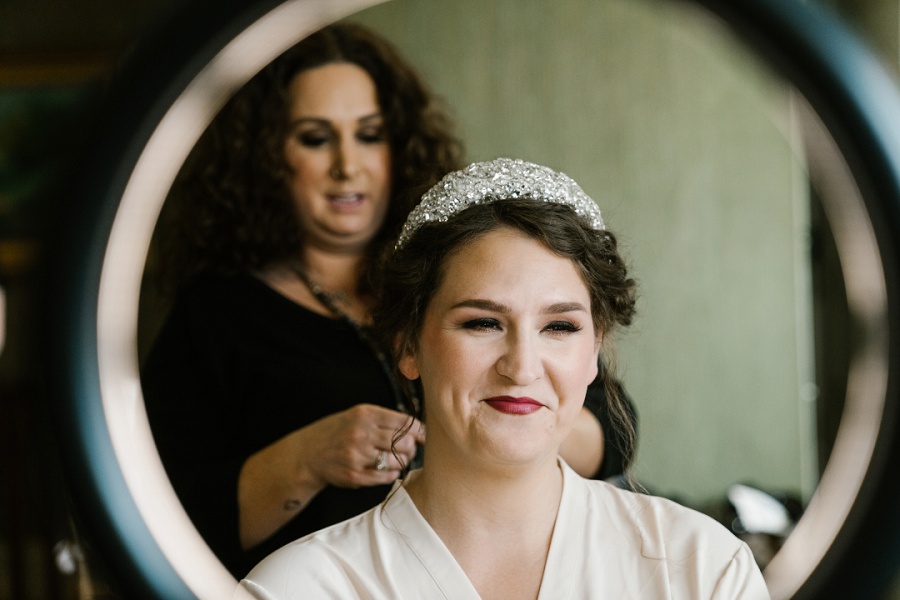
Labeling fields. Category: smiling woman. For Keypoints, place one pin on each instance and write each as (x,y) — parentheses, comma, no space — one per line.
(498,303)
(843,135)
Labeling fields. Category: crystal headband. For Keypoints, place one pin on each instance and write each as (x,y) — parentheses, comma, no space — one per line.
(499,179)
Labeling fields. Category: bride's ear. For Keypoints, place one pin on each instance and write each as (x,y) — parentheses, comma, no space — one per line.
(408,366)
(598,342)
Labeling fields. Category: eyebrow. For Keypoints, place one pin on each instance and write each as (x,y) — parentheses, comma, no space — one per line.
(552,309)
(324,121)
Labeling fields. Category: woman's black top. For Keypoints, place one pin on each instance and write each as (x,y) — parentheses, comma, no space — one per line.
(235,367)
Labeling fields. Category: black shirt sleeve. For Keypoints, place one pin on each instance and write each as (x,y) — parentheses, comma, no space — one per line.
(615,459)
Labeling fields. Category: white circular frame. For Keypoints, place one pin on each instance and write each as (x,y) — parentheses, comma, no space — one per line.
(142,200)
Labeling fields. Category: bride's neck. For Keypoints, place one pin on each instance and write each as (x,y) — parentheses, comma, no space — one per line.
(507,498)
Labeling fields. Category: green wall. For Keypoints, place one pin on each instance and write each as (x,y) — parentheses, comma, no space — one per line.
(685,141)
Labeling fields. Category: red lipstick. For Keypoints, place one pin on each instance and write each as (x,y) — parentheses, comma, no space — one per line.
(514,406)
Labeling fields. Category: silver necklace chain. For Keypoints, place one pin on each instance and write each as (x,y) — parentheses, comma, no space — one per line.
(330,301)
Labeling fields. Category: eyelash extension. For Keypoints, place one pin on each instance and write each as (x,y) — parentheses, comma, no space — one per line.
(489,323)
(563,326)
(481,323)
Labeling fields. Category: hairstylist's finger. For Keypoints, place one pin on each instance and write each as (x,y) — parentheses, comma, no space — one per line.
(405,445)
(418,430)
(413,434)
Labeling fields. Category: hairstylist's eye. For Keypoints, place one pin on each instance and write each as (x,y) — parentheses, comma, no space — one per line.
(371,135)
(482,324)
(313,140)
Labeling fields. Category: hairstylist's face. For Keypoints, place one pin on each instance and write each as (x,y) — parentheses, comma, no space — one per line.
(338,151)
(506,352)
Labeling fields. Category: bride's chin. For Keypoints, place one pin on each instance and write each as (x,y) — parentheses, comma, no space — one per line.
(520,452)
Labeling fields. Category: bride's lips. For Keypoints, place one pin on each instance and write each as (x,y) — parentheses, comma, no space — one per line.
(514,406)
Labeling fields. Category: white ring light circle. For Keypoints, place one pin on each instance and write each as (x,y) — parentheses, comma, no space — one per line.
(155,170)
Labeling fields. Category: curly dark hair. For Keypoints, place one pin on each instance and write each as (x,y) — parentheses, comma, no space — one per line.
(229,210)
(410,276)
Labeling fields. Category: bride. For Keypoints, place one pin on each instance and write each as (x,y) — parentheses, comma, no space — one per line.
(499,299)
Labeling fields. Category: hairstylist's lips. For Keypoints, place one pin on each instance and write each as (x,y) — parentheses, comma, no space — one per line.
(514,406)
(346,199)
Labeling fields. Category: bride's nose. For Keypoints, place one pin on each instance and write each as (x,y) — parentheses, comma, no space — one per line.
(521,361)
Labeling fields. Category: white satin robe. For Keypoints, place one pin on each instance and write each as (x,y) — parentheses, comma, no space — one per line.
(607,543)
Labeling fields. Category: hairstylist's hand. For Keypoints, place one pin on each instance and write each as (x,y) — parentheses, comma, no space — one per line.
(356,447)
(342,449)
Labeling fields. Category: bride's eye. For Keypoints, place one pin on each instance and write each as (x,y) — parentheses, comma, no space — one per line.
(562,327)
(482,324)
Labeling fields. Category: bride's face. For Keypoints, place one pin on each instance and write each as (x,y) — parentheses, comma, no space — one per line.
(506,351)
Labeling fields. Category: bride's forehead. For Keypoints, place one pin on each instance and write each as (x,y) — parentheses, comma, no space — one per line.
(504,248)
(497,240)
(508,266)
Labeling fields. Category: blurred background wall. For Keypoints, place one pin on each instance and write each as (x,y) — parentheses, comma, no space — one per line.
(643,107)
(718,234)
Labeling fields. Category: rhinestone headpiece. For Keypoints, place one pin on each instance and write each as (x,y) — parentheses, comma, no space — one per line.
(499,179)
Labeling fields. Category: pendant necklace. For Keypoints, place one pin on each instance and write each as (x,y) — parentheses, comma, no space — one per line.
(330,301)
